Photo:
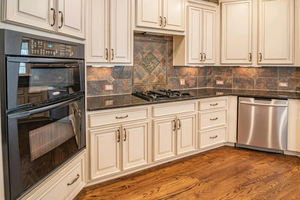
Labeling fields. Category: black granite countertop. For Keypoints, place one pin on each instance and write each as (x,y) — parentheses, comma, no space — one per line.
(128,100)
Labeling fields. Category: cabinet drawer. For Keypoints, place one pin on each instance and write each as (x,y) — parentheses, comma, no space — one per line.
(211,104)
(212,119)
(174,108)
(117,117)
(212,137)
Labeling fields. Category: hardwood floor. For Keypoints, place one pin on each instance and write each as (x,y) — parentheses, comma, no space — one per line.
(223,173)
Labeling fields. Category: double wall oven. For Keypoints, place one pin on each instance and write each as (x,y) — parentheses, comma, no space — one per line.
(42,108)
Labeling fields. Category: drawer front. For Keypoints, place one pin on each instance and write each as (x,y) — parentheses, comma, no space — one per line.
(212,119)
(172,109)
(117,117)
(212,104)
(212,137)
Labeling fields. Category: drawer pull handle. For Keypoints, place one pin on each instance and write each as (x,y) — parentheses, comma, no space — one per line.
(74,180)
(214,104)
(213,137)
(123,117)
(214,119)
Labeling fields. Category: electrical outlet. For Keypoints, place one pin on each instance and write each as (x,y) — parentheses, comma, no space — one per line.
(283,84)
(220,82)
(219,93)
(109,87)
(182,82)
(109,102)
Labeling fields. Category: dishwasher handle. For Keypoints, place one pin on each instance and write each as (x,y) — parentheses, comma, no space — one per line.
(264,104)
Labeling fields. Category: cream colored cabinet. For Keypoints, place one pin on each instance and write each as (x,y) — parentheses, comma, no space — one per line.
(71,17)
(236,32)
(61,16)
(201,35)
(276,32)
(293,137)
(186,133)
(161,14)
(109,31)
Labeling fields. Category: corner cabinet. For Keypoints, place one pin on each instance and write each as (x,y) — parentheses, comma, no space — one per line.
(110,35)
(160,14)
(65,17)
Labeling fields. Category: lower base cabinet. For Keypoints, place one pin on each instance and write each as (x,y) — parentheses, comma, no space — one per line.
(186,141)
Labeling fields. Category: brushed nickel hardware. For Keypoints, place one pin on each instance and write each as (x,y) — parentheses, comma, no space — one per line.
(250,57)
(174,125)
(112,54)
(54,16)
(61,19)
(260,57)
(74,180)
(160,20)
(204,57)
(214,137)
(179,124)
(165,22)
(119,135)
(214,119)
(123,117)
(214,104)
(201,57)
(125,134)
(106,54)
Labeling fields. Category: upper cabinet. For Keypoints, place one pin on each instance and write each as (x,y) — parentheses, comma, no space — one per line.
(110,33)
(60,16)
(237,32)
(276,31)
(160,14)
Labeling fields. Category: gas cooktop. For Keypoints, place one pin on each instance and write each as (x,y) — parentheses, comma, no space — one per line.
(162,95)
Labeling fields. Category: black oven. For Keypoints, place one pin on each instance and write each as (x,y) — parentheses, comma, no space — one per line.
(42,108)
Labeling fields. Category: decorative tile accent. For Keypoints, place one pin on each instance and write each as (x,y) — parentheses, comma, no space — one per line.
(110,79)
(150,63)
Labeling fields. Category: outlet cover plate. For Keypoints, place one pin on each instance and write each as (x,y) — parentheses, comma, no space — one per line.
(283,84)
(220,82)
(109,102)
(109,87)
(182,82)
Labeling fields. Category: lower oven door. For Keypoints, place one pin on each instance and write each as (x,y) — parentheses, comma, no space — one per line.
(42,140)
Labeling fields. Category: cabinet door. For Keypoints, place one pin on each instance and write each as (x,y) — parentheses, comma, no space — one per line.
(71,18)
(31,13)
(276,31)
(173,15)
(97,35)
(209,36)
(134,145)
(237,32)
(194,35)
(120,30)
(149,13)
(186,134)
(105,151)
(164,140)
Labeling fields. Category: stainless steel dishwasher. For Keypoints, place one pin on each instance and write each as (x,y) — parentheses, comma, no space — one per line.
(262,123)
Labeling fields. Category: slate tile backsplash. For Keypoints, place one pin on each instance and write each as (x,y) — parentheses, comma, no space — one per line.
(153,69)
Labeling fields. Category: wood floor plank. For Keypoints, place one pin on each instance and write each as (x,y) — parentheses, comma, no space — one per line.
(223,173)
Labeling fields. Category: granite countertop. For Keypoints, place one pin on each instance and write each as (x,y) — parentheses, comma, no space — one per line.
(128,100)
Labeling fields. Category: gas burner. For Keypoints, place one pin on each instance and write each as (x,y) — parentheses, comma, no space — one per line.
(162,95)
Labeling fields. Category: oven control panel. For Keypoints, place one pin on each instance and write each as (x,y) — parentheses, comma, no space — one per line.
(49,49)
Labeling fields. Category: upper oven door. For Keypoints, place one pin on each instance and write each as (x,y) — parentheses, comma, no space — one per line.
(36,80)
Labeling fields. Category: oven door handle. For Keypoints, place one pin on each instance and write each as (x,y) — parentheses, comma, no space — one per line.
(41,60)
(42,109)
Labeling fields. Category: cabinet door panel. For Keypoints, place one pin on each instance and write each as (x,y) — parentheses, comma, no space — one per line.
(149,13)
(195,35)
(164,143)
(135,145)
(276,31)
(71,17)
(173,15)
(23,12)
(97,38)
(120,30)
(236,32)
(209,36)
(186,134)
(105,152)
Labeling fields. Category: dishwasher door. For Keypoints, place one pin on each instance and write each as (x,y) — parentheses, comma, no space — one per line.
(263,123)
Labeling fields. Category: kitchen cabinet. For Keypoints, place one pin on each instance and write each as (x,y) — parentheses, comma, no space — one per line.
(236,32)
(293,135)
(109,31)
(160,14)
(186,133)
(58,16)
(276,32)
